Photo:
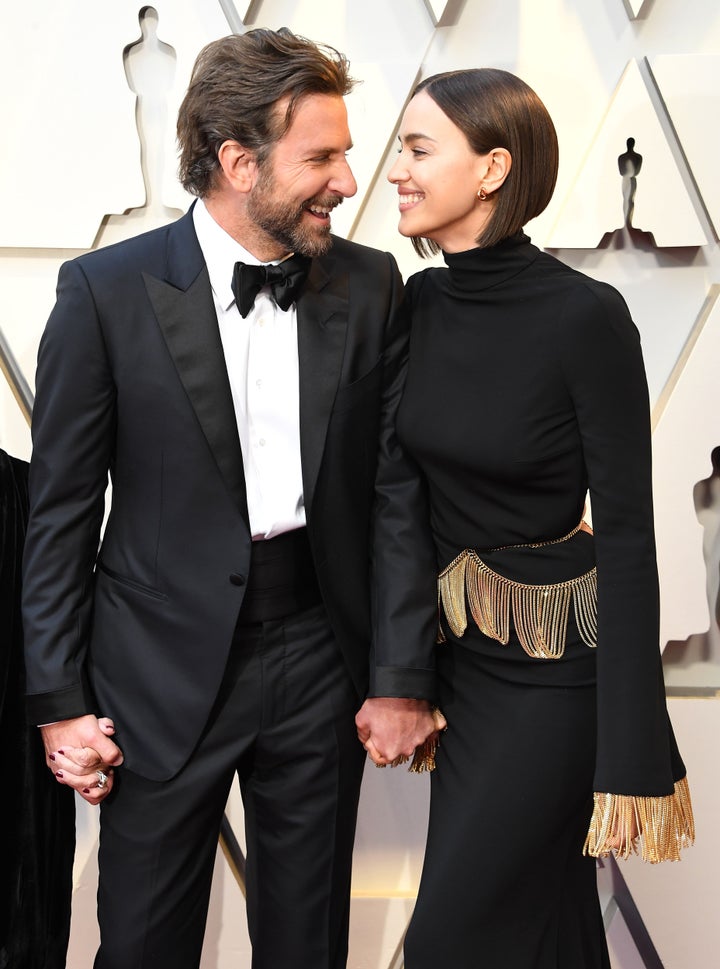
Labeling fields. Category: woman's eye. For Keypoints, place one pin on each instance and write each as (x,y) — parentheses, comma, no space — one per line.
(416,152)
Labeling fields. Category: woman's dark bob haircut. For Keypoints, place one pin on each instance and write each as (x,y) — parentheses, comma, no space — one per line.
(495,109)
(237,91)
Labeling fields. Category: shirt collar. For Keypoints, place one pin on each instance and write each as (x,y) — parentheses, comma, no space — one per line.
(221,252)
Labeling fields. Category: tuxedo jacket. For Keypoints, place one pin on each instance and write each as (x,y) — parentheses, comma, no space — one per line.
(132,382)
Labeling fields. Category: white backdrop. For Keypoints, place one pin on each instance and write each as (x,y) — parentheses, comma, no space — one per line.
(87,156)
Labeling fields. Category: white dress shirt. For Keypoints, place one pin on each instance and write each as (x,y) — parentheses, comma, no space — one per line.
(262,363)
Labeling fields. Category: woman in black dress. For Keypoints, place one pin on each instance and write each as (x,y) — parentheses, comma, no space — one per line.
(525,389)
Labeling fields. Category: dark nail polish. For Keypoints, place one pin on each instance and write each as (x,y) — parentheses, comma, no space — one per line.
(52,756)
(59,774)
(61,752)
(86,790)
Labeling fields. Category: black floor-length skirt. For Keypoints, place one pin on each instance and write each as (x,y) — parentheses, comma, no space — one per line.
(505,884)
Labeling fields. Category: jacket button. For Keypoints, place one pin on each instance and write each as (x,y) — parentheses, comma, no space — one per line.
(237,579)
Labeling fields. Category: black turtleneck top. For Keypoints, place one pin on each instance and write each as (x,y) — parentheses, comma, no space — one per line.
(525,388)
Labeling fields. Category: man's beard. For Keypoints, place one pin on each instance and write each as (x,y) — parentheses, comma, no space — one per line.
(283,221)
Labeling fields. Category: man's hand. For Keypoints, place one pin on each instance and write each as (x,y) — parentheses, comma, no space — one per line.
(389,727)
(81,754)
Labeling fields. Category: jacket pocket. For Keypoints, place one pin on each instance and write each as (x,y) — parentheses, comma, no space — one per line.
(350,395)
(131,583)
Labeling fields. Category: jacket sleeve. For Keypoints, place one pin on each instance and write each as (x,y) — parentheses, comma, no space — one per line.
(404,566)
(73,438)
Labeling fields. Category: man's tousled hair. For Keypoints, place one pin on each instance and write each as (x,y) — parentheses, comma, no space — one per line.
(234,91)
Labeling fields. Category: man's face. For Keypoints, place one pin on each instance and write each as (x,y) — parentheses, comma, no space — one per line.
(305,176)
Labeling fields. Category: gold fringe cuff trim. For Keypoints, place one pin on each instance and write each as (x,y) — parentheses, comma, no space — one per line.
(539,612)
(424,757)
(657,828)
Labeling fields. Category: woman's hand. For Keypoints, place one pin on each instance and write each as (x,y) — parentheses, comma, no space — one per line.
(81,755)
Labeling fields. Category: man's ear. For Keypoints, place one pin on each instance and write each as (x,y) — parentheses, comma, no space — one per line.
(495,169)
(239,166)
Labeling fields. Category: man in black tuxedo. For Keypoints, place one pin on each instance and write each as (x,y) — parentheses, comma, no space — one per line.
(259,575)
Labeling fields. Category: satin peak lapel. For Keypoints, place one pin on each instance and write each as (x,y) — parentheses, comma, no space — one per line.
(189,324)
(322,328)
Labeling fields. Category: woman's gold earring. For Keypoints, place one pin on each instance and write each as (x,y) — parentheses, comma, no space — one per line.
(481,194)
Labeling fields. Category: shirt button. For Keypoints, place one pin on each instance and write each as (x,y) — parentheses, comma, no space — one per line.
(258,384)
(261,442)
(237,579)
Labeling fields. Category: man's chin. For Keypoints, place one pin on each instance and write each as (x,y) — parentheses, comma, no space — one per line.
(315,242)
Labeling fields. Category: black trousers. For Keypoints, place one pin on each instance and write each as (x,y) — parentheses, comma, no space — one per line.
(284,721)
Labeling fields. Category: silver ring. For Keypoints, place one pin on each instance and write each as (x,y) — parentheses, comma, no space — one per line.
(102,779)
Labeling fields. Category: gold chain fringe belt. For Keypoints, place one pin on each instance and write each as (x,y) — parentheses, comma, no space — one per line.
(539,612)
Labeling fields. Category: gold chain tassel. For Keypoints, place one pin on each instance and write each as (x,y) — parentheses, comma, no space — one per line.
(424,757)
(451,593)
(539,612)
(657,828)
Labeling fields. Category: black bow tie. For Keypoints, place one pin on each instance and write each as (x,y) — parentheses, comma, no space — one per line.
(285,281)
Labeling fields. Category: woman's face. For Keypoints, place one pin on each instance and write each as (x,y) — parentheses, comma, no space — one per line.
(438,176)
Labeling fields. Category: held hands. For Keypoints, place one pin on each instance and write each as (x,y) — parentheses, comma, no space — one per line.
(390,728)
(81,755)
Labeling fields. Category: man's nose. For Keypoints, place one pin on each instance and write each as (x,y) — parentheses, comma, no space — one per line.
(343,181)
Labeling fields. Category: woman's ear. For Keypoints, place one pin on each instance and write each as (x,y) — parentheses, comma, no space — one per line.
(495,169)
(239,166)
